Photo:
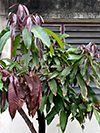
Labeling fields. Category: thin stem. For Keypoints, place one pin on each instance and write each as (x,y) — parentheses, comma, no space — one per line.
(26,119)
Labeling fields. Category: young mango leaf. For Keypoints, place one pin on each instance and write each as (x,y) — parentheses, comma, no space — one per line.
(82,85)
(3,39)
(16,43)
(33,94)
(25,59)
(27,38)
(63,120)
(55,37)
(96,115)
(53,86)
(40,33)
(20,92)
(12,98)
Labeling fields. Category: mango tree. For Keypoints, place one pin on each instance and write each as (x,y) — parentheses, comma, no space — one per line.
(46,72)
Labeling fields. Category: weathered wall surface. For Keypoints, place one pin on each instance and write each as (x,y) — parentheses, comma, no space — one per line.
(62,9)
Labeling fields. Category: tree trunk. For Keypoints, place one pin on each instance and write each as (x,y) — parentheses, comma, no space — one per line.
(41,122)
(28,122)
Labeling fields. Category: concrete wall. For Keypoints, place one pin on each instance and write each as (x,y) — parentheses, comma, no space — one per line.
(63,10)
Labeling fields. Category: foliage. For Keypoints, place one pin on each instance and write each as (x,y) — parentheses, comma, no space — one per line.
(44,64)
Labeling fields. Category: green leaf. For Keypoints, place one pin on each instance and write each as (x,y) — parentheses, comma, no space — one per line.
(57,61)
(25,59)
(4,31)
(89,108)
(94,70)
(73,74)
(23,49)
(44,99)
(51,49)
(82,85)
(1,83)
(2,63)
(51,98)
(16,43)
(74,109)
(91,95)
(96,115)
(12,62)
(66,71)
(27,38)
(83,70)
(55,37)
(3,39)
(13,65)
(64,89)
(40,33)
(71,90)
(82,108)
(72,50)
(57,66)
(54,74)
(35,58)
(63,120)
(93,79)
(74,56)
(51,115)
(53,86)
(63,36)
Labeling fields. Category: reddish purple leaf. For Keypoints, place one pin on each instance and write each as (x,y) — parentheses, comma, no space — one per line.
(3,99)
(12,98)
(19,92)
(33,93)
(13,5)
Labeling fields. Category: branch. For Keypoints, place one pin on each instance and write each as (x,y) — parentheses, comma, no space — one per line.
(28,122)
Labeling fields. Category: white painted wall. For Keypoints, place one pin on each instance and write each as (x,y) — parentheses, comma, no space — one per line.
(19,126)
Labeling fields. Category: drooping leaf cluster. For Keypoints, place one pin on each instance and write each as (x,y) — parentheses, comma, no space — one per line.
(44,71)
